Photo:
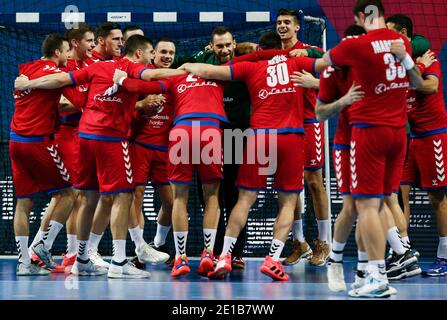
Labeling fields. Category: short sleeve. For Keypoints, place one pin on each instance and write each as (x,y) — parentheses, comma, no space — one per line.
(328,91)
(137,70)
(301,63)
(433,70)
(81,76)
(240,71)
(342,53)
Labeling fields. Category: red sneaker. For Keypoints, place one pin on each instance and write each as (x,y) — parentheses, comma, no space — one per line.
(223,267)
(206,262)
(180,267)
(68,262)
(274,269)
(36,260)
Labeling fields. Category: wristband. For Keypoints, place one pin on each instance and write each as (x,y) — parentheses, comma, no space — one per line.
(120,82)
(421,67)
(408,62)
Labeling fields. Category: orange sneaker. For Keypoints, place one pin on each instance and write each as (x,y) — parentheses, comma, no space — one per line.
(68,261)
(274,269)
(223,267)
(180,267)
(206,262)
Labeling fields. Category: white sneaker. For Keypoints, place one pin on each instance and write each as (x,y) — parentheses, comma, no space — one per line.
(127,271)
(96,258)
(147,254)
(374,287)
(30,270)
(335,276)
(87,269)
(359,281)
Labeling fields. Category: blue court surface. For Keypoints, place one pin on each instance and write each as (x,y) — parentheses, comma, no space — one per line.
(306,283)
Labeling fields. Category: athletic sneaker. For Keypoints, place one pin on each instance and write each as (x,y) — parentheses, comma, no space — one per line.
(126,270)
(320,254)
(238,263)
(87,268)
(30,270)
(398,262)
(300,250)
(37,261)
(137,263)
(274,269)
(359,280)
(96,258)
(373,287)
(410,271)
(68,261)
(437,269)
(181,266)
(147,254)
(206,262)
(223,267)
(335,276)
(44,255)
(164,248)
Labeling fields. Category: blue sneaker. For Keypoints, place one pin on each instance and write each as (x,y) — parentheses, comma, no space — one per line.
(437,269)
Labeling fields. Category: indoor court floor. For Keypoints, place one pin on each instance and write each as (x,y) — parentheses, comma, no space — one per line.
(306,283)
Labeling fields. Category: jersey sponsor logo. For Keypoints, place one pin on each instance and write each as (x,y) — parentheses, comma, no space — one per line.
(381,46)
(51,68)
(228,99)
(102,98)
(382,88)
(183,87)
(22,94)
(264,94)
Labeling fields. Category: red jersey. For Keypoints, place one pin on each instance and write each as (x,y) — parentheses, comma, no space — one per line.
(195,97)
(426,112)
(274,99)
(107,117)
(310,95)
(96,57)
(383,79)
(36,110)
(334,84)
(72,118)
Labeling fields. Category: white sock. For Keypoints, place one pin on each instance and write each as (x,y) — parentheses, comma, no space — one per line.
(276,249)
(93,240)
(142,233)
(297,230)
(209,237)
(71,244)
(37,238)
(180,239)
(378,267)
(406,242)
(228,246)
(22,248)
(323,230)
(393,238)
(119,250)
(362,260)
(160,236)
(82,249)
(337,251)
(135,235)
(50,235)
(442,248)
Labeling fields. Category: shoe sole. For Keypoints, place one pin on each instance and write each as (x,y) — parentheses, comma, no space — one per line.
(385,294)
(265,271)
(337,288)
(306,255)
(206,266)
(219,274)
(32,274)
(181,272)
(127,276)
(425,274)
(407,274)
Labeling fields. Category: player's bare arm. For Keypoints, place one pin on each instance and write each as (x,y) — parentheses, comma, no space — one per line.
(430,85)
(51,81)
(305,79)
(207,71)
(326,111)
(413,72)
(154,74)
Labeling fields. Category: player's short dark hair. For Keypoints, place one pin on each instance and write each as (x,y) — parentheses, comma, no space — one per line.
(270,40)
(402,21)
(289,12)
(361,6)
(132,28)
(165,39)
(105,28)
(136,42)
(219,31)
(354,30)
(51,43)
(78,33)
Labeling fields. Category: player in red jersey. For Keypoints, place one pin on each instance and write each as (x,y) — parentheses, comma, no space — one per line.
(105,158)
(425,166)
(380,64)
(34,123)
(81,42)
(276,106)
(288,26)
